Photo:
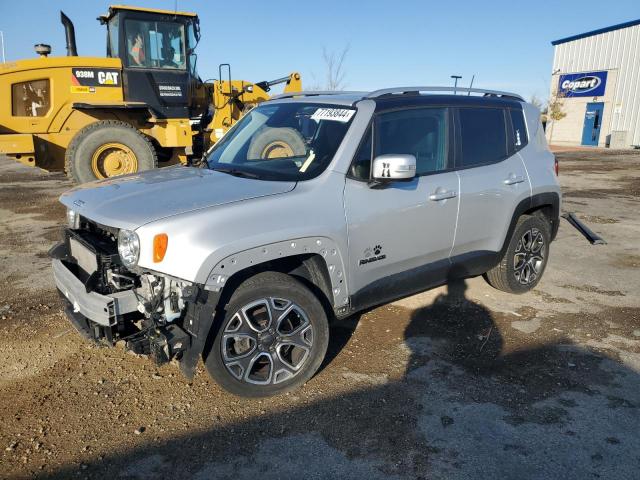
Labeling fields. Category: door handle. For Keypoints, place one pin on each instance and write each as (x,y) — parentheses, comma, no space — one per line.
(440,195)
(513,179)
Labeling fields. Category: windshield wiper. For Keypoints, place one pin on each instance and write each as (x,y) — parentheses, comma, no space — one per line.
(236,173)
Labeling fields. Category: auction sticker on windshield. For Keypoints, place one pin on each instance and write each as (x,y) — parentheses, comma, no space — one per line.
(335,114)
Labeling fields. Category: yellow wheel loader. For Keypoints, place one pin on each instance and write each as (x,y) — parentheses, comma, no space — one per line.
(142,105)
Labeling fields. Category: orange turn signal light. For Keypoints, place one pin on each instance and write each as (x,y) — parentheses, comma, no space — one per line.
(160,243)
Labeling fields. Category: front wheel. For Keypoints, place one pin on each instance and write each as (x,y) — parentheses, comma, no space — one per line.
(272,339)
(525,258)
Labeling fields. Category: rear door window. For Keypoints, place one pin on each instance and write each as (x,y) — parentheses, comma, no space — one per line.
(483,136)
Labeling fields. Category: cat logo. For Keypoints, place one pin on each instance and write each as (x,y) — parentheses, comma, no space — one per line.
(108,78)
(95,77)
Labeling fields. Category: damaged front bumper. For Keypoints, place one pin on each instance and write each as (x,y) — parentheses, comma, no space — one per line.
(106,318)
(104,310)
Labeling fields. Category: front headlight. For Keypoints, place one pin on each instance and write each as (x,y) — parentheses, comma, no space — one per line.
(128,247)
(73,219)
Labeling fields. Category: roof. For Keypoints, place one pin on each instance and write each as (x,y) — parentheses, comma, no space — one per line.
(332,98)
(46,63)
(151,10)
(597,32)
(402,95)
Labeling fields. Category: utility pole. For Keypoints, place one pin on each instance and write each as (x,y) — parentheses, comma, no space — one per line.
(2,40)
(455,85)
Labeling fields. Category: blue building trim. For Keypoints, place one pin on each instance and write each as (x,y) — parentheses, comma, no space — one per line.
(596,32)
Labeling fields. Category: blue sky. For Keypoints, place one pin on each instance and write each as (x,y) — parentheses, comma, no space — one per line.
(506,44)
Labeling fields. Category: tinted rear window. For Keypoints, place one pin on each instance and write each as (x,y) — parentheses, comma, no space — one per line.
(520,138)
(484,138)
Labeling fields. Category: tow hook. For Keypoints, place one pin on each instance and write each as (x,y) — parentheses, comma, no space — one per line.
(589,234)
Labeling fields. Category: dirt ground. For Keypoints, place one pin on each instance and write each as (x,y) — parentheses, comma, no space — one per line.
(457,383)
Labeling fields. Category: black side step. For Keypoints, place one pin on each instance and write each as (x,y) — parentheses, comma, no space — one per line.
(593,237)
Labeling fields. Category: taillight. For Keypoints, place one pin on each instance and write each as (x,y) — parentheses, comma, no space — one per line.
(556,168)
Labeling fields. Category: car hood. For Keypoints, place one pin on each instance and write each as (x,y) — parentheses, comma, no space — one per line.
(133,200)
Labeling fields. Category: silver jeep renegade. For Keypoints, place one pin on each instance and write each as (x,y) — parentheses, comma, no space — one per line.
(312,207)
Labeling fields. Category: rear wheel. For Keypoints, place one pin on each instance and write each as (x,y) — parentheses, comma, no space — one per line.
(526,257)
(108,148)
(272,339)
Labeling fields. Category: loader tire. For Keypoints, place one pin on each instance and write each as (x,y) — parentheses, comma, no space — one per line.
(108,148)
(274,143)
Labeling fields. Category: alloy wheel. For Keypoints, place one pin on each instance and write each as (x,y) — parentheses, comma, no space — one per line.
(267,341)
(529,256)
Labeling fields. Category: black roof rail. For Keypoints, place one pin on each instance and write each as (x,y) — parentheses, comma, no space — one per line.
(312,93)
(468,91)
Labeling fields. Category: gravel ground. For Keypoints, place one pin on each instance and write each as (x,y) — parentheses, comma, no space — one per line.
(459,382)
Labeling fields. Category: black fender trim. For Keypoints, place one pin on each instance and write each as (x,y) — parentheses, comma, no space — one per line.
(547,199)
(201,307)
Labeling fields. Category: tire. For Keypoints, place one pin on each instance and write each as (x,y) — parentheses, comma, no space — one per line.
(525,259)
(129,151)
(277,143)
(251,364)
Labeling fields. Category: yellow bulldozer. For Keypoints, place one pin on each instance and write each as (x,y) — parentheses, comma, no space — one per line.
(142,106)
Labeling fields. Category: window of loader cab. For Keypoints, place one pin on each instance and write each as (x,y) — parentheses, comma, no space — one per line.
(30,99)
(421,132)
(519,137)
(112,29)
(483,135)
(155,44)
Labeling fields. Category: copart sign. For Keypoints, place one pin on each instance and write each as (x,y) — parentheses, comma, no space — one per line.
(590,84)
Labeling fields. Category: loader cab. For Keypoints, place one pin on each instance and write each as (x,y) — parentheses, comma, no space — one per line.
(156,48)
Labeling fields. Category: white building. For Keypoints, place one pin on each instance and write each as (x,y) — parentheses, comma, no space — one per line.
(596,81)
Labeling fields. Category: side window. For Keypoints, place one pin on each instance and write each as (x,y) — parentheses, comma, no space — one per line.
(520,138)
(361,165)
(112,28)
(193,41)
(30,99)
(420,132)
(483,136)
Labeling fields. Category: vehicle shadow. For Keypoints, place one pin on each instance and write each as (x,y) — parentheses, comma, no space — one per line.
(464,408)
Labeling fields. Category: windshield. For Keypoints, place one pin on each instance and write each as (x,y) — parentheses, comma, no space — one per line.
(286,141)
(155,44)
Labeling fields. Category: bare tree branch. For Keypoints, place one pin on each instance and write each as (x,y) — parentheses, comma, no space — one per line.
(334,68)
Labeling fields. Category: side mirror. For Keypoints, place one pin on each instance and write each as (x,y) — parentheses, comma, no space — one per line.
(394,167)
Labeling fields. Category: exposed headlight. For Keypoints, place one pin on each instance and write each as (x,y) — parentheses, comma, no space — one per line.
(128,247)
(73,219)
